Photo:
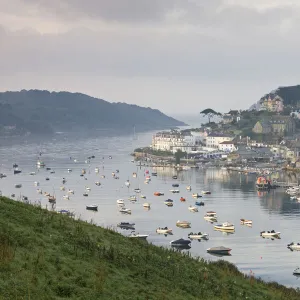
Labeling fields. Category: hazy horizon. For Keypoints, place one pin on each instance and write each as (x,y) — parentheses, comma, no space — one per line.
(177,56)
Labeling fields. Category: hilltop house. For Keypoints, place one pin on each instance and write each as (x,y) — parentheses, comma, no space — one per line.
(272,103)
(280,125)
(232,115)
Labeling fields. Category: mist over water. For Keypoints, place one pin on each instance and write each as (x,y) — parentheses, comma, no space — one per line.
(233,197)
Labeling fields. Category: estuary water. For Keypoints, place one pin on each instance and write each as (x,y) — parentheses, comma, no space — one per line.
(233,196)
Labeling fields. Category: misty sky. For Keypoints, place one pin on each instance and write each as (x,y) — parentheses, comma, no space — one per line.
(179,56)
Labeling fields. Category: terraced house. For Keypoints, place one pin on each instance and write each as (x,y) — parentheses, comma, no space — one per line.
(279,125)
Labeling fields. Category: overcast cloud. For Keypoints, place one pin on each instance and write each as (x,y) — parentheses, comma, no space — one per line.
(179,56)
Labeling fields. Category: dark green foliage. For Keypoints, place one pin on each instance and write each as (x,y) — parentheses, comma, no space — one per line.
(148,150)
(178,155)
(45,255)
(209,113)
(44,112)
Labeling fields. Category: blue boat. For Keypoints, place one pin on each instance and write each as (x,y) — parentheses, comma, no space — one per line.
(199,203)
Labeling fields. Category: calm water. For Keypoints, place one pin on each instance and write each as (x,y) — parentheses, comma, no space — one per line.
(233,197)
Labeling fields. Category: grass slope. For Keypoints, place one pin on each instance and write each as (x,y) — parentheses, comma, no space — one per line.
(44,255)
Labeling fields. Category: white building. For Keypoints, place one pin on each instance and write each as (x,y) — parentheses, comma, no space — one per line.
(227,146)
(214,139)
(174,140)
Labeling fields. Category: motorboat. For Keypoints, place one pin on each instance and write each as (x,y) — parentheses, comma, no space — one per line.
(226,226)
(175,185)
(62,188)
(198,236)
(70,191)
(174,191)
(39,191)
(52,172)
(146,205)
(96,170)
(211,212)
(206,192)
(294,246)
(138,236)
(46,194)
(13,195)
(296,272)
(2,175)
(146,181)
(132,198)
(120,201)
(180,242)
(183,224)
(88,188)
(85,194)
(189,188)
(158,194)
(32,173)
(24,198)
(124,210)
(219,250)
(211,217)
(69,170)
(153,174)
(18,186)
(126,225)
(66,197)
(174,177)
(246,222)
(137,190)
(92,207)
(196,195)
(48,169)
(15,165)
(169,203)
(134,175)
(52,199)
(64,180)
(40,163)
(199,203)
(271,234)
(164,230)
(102,176)
(182,199)
(17,172)
(97,183)
(143,196)
(193,208)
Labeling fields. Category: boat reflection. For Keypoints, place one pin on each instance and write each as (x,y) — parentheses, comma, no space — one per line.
(181,247)
(220,255)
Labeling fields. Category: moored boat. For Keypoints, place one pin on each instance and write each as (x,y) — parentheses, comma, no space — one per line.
(196,195)
(180,242)
(183,224)
(124,210)
(164,230)
(182,199)
(219,250)
(206,192)
(126,225)
(158,194)
(92,207)
(294,246)
(17,186)
(197,236)
(199,203)
(246,222)
(138,236)
(272,234)
(120,201)
(226,226)
(146,205)
(189,188)
(193,208)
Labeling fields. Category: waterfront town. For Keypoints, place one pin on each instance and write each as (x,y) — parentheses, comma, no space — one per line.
(267,135)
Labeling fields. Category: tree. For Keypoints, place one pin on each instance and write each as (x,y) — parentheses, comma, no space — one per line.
(209,113)
(178,155)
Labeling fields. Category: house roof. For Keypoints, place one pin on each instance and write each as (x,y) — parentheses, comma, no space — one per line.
(227,143)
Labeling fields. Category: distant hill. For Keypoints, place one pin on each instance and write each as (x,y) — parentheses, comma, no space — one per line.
(290,96)
(44,112)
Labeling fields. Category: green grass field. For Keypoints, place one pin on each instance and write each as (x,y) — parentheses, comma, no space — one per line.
(45,255)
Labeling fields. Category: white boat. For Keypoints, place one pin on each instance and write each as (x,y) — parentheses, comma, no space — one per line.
(183,224)
(97,183)
(40,163)
(138,236)
(66,197)
(193,208)
(146,205)
(211,216)
(294,246)
(165,230)
(62,188)
(146,181)
(46,194)
(39,191)
(125,210)
(271,233)
(127,183)
(70,192)
(96,170)
(120,201)
(88,188)
(196,195)
(296,272)
(246,222)
(197,236)
(189,188)
(36,183)
(69,170)
(224,226)
(137,190)
(132,198)
(143,196)
(32,173)
(17,186)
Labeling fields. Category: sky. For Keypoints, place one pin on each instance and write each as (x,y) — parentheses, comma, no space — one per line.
(179,56)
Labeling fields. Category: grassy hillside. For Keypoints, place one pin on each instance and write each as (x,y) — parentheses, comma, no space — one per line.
(44,112)
(44,255)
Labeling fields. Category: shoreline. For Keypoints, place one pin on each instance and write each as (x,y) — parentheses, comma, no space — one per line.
(214,279)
